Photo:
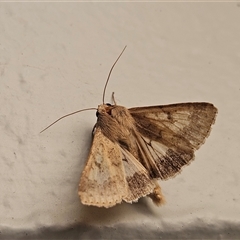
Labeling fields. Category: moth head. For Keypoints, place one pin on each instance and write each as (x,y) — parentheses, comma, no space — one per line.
(104,108)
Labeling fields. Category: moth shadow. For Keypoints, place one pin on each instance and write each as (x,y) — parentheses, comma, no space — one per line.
(118,213)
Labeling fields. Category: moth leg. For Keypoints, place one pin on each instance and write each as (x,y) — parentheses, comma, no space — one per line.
(157,196)
(94,129)
(113,99)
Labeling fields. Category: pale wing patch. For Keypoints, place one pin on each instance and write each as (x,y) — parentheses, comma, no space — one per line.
(103,182)
(139,182)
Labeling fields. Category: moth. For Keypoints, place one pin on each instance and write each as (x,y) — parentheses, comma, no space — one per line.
(133,148)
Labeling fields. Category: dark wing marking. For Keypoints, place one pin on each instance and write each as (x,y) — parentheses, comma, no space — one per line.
(139,182)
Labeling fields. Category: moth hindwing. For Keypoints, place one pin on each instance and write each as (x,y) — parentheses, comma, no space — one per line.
(132,148)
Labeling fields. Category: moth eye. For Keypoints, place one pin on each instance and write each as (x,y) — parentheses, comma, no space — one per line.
(108,104)
(97,113)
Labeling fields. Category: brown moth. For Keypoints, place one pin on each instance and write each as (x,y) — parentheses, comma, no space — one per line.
(133,148)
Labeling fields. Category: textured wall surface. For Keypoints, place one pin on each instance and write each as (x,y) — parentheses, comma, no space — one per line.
(55,58)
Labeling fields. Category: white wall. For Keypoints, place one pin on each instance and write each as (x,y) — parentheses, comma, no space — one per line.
(54,59)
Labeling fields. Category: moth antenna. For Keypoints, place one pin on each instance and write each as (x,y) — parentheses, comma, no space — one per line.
(104,90)
(113,99)
(86,109)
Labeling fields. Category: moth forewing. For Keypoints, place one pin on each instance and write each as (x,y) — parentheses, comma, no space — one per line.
(172,133)
(103,183)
